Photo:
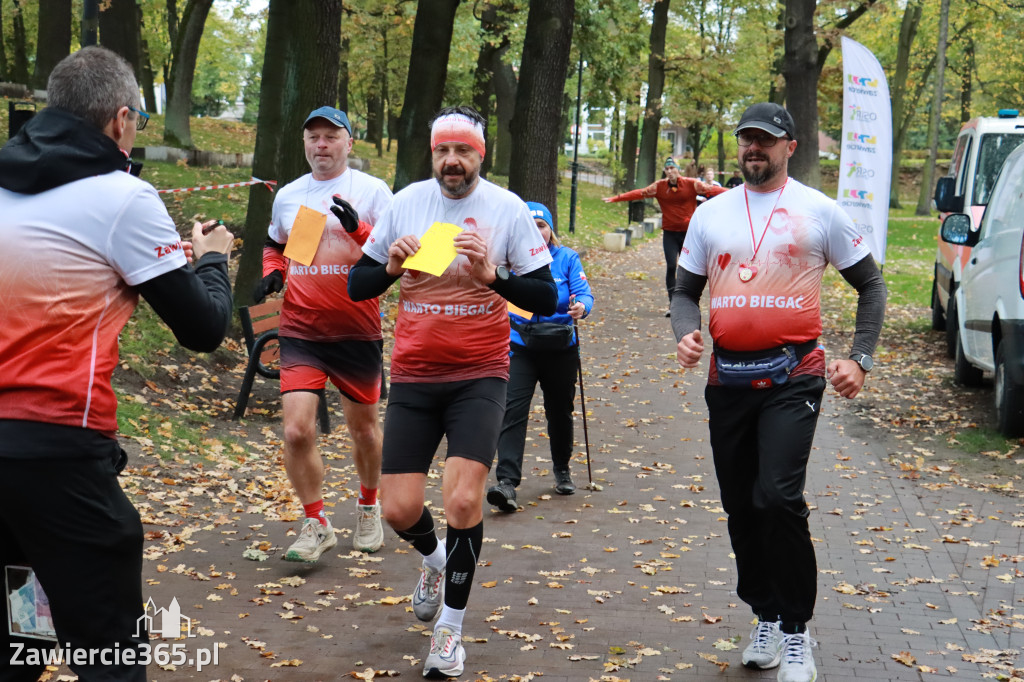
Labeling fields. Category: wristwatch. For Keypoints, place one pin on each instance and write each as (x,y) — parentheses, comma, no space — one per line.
(864,360)
(501,272)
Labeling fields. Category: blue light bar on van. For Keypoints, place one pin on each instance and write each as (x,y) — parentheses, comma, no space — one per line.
(1008,113)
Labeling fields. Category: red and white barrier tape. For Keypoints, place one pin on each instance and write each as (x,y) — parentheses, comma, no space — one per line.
(270,184)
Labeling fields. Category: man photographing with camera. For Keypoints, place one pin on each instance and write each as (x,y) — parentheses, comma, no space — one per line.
(82,240)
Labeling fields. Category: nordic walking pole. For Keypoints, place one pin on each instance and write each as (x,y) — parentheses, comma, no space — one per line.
(583,399)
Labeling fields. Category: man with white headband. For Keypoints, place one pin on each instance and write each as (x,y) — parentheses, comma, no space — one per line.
(449,367)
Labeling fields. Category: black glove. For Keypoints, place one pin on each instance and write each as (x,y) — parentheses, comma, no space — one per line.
(271,284)
(347,215)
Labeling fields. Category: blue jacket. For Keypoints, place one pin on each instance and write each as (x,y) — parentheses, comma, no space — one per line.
(570,279)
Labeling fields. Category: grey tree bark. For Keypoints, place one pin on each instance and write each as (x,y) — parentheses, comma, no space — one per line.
(537,123)
(300,73)
(924,198)
(53,41)
(647,164)
(177,131)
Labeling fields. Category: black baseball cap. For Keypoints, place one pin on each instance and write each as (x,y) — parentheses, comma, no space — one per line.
(769,117)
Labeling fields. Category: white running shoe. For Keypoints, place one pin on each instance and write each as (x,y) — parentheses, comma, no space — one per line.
(447,656)
(314,539)
(797,660)
(427,598)
(369,535)
(765,648)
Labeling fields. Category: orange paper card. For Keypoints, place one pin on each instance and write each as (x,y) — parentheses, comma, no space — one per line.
(305,236)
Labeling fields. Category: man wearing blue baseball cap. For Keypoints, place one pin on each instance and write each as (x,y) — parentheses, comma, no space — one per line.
(324,335)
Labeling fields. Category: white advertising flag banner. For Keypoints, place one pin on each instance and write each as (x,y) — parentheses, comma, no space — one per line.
(865,161)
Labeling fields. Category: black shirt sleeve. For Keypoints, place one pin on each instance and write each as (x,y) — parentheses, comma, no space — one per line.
(368,278)
(685,307)
(195,304)
(535,291)
(865,277)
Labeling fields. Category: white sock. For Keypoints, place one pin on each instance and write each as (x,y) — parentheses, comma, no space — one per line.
(451,619)
(438,558)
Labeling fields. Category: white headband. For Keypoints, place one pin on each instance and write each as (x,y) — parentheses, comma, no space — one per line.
(458,128)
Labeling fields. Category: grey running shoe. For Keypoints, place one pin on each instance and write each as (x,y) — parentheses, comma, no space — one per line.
(314,539)
(503,496)
(797,660)
(765,648)
(447,655)
(426,600)
(563,482)
(369,535)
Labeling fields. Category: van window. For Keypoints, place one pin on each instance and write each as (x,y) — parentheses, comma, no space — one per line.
(994,149)
(1004,210)
(958,167)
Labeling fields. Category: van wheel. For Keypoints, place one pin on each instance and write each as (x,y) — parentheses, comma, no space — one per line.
(964,372)
(938,317)
(1009,399)
(952,326)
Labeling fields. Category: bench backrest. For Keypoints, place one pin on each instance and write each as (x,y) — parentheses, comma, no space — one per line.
(257,320)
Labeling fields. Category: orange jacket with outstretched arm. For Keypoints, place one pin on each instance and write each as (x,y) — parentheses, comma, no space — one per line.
(677,202)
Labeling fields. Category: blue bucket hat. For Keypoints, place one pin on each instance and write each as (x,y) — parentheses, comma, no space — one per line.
(335,116)
(539,210)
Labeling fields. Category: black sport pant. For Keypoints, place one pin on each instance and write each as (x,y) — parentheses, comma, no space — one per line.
(672,242)
(761,440)
(556,373)
(70,520)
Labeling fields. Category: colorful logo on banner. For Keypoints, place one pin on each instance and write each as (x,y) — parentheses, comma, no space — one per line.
(865,162)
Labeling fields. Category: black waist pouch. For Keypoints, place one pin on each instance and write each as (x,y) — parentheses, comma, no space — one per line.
(760,369)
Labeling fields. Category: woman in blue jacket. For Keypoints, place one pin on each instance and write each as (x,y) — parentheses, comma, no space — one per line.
(545,350)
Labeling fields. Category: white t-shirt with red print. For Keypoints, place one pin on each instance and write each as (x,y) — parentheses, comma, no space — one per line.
(452,327)
(780,303)
(70,260)
(316,303)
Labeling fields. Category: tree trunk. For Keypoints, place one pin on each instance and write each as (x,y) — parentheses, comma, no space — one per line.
(800,68)
(647,165)
(172,21)
(424,87)
(630,133)
(924,199)
(90,22)
(300,73)
(966,82)
(483,77)
(505,87)
(19,69)
(900,118)
(177,132)
(343,74)
(53,41)
(721,152)
(536,125)
(119,30)
(616,124)
(147,80)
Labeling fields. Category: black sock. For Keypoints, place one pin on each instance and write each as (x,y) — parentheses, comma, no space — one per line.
(463,547)
(792,627)
(421,534)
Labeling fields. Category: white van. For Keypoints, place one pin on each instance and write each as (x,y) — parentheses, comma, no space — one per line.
(981,147)
(990,297)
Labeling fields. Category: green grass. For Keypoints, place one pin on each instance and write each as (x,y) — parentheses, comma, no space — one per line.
(142,338)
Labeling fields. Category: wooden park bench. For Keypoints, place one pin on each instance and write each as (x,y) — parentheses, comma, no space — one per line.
(259,326)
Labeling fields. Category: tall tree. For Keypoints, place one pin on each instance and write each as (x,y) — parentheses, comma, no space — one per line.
(505,88)
(899,87)
(647,164)
(630,133)
(19,67)
(424,87)
(90,22)
(119,23)
(300,73)
(177,131)
(925,195)
(536,125)
(800,68)
(54,39)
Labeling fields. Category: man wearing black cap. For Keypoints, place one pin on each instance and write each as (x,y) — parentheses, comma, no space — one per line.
(317,229)
(677,198)
(763,250)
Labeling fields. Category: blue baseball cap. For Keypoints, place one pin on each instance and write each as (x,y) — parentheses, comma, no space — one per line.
(538,210)
(335,116)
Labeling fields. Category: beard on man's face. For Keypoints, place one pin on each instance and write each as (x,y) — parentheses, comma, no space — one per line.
(768,170)
(455,180)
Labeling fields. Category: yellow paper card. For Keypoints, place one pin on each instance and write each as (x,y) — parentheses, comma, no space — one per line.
(305,236)
(437,249)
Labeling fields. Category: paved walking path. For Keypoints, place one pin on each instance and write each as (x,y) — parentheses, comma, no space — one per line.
(630,582)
